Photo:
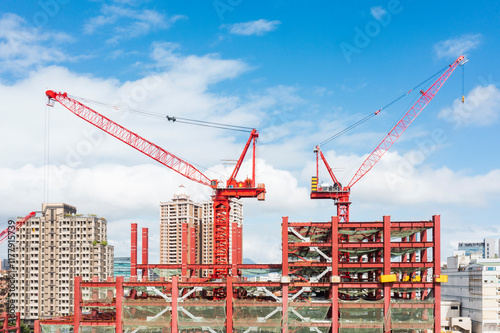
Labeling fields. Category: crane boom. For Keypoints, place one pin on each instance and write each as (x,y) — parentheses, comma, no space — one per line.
(5,234)
(130,138)
(403,124)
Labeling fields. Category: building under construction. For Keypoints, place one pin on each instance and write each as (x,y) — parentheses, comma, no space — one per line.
(336,276)
(377,276)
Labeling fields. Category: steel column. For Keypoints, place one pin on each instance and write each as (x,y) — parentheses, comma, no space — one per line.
(234,249)
(334,291)
(119,303)
(184,251)
(77,310)
(145,252)
(229,304)
(284,271)
(436,237)
(133,250)
(175,297)
(387,271)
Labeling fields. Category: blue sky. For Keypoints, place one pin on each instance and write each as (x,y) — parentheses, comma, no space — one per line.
(297,72)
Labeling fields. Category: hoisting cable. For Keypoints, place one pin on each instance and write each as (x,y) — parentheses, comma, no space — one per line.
(463,83)
(373,114)
(169,118)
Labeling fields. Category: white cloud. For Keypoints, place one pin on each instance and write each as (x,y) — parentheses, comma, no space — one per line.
(454,47)
(257,28)
(481,108)
(129,23)
(377,12)
(23,48)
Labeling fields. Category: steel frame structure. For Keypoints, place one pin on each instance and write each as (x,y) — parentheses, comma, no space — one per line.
(389,261)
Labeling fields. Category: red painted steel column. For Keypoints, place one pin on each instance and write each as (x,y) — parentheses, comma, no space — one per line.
(119,304)
(175,296)
(37,326)
(387,270)
(234,249)
(5,316)
(18,322)
(145,251)
(184,250)
(77,311)
(423,258)
(284,270)
(437,271)
(229,304)
(192,247)
(334,291)
(133,250)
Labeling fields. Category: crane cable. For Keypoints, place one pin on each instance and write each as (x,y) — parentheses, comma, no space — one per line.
(373,114)
(167,117)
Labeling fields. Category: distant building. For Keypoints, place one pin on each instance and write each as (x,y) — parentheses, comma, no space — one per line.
(183,210)
(474,284)
(50,251)
(4,291)
(5,265)
(121,266)
(486,248)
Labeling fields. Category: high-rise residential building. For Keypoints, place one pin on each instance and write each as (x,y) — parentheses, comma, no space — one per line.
(50,251)
(183,210)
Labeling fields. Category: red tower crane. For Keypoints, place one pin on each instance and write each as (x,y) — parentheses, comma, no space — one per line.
(5,234)
(341,194)
(222,194)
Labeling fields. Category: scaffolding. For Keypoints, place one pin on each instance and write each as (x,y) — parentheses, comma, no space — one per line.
(381,276)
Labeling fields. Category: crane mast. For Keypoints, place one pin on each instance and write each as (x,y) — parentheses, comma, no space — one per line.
(222,195)
(341,194)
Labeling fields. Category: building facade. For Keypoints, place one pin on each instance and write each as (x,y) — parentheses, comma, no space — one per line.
(476,285)
(50,251)
(486,249)
(121,266)
(198,216)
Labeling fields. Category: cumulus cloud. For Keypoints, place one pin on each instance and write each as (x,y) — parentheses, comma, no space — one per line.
(481,108)
(454,47)
(24,47)
(256,28)
(128,23)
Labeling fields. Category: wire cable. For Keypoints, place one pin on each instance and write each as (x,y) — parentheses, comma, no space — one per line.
(373,114)
(169,118)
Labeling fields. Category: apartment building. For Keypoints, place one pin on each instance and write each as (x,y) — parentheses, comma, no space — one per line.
(182,209)
(475,284)
(50,251)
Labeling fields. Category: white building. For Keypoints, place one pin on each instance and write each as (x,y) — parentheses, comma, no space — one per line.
(475,283)
(50,251)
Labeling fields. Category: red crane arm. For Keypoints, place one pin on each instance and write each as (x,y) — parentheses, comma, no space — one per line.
(5,234)
(253,136)
(403,124)
(135,141)
(318,151)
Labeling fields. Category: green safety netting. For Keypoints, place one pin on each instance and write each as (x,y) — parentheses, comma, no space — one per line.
(192,315)
(360,330)
(145,329)
(406,232)
(412,311)
(146,313)
(399,251)
(358,235)
(247,312)
(98,294)
(356,291)
(352,318)
(57,328)
(305,329)
(97,329)
(299,315)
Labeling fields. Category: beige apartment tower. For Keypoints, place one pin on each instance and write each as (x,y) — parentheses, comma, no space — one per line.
(181,209)
(50,251)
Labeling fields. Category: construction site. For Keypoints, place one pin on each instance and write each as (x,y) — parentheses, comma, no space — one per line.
(335,276)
